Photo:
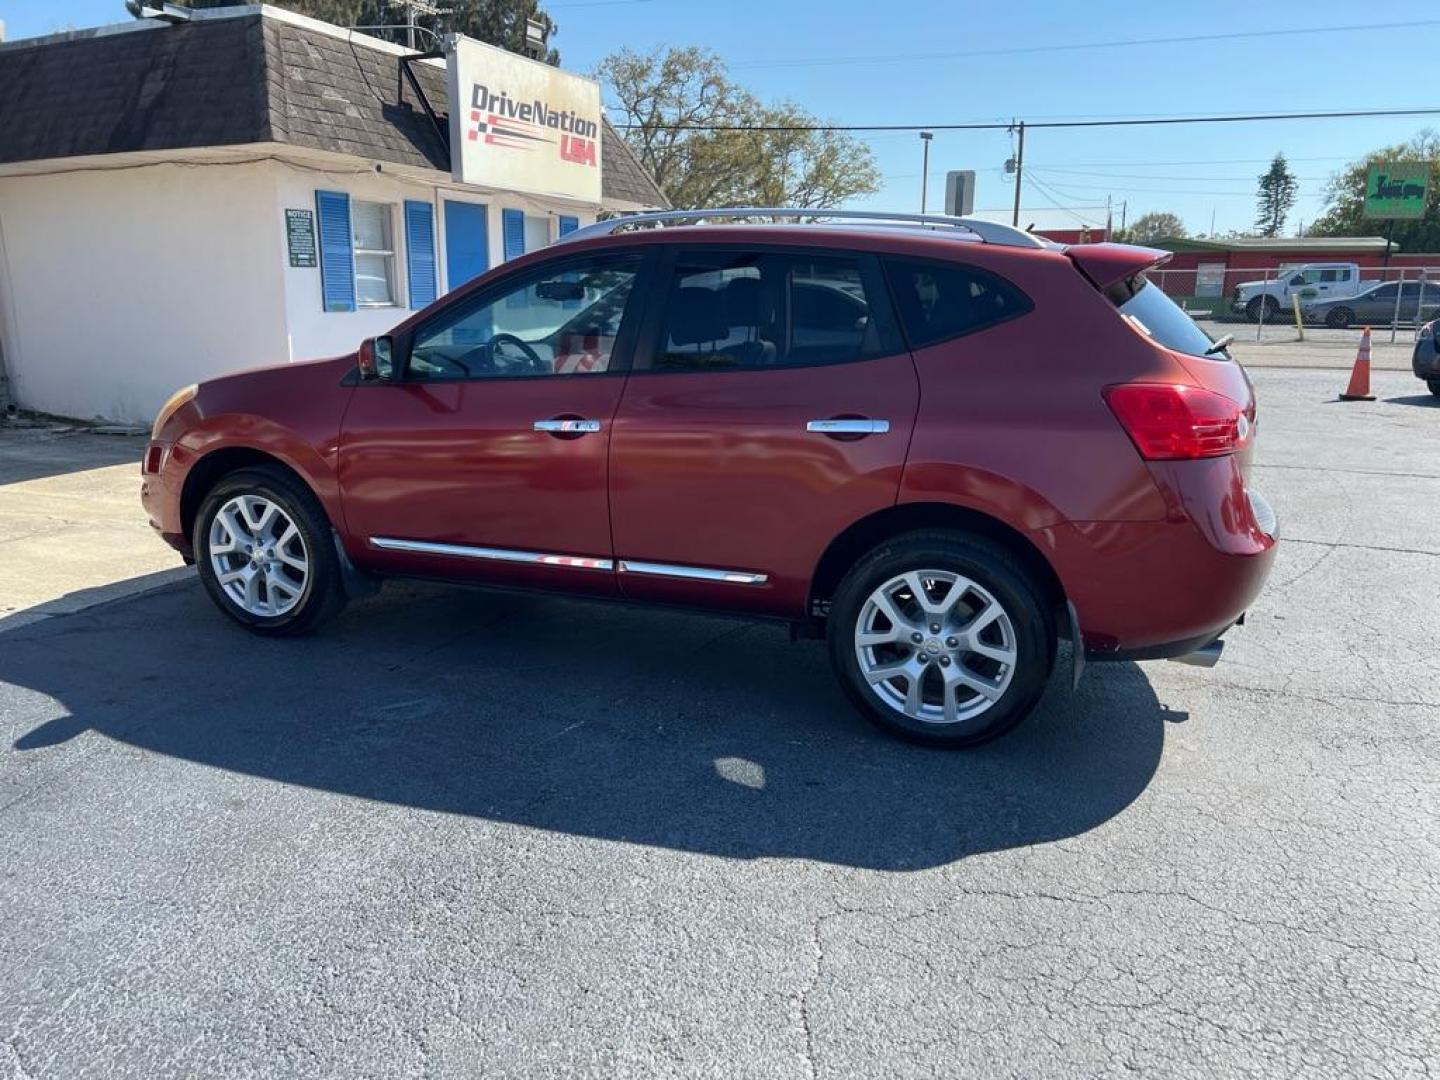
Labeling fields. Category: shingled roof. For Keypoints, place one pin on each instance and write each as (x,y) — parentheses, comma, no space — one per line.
(254,76)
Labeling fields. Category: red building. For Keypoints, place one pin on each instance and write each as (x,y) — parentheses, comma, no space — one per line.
(1207,271)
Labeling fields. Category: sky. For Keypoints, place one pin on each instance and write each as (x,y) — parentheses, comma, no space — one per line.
(943,62)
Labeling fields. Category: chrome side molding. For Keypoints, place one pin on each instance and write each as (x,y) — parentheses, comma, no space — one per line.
(465,551)
(695,573)
(579,562)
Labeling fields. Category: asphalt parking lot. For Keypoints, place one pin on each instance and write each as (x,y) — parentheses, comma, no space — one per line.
(1279,345)
(460,834)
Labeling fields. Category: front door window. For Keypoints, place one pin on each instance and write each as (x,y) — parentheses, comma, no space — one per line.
(560,320)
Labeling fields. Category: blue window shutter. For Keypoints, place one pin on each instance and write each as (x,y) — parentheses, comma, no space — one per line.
(568,224)
(420,252)
(513,230)
(337,250)
(467,242)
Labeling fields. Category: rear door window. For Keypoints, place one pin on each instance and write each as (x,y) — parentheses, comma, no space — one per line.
(937,301)
(760,309)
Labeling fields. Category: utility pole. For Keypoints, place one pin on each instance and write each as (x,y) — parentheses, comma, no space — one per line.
(1124,206)
(925,137)
(1109,218)
(1019,173)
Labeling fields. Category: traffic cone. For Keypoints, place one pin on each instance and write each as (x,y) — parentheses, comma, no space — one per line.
(1359,388)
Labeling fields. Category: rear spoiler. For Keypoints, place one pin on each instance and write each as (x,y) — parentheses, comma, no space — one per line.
(1105,264)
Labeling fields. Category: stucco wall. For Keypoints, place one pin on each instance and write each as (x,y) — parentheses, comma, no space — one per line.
(118,286)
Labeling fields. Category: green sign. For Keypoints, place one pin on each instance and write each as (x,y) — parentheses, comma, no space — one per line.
(1397,190)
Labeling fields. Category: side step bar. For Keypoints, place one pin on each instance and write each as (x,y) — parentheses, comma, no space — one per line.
(1206,657)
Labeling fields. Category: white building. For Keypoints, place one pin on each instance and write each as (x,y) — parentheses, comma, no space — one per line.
(252,187)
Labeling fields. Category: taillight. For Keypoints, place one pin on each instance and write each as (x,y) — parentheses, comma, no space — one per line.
(1166,421)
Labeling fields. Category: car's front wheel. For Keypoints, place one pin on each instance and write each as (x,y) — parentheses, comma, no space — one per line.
(264,551)
(941,638)
(1434,385)
(1339,318)
(1262,307)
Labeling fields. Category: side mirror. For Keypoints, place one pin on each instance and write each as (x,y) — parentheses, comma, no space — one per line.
(375,359)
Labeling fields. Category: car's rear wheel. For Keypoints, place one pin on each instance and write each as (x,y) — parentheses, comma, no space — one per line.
(1434,385)
(941,638)
(264,551)
(1339,318)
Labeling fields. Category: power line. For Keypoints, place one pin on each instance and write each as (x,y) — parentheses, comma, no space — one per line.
(1044,191)
(1207,161)
(1020,50)
(1160,176)
(1003,126)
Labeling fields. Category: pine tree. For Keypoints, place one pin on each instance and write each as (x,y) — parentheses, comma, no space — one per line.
(1278,188)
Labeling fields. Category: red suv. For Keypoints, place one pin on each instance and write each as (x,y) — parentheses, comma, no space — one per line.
(941,444)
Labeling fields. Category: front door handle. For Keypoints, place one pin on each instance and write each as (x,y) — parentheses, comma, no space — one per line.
(848,426)
(568,426)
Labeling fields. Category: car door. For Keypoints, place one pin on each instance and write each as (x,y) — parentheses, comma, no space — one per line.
(1378,305)
(487,456)
(770,407)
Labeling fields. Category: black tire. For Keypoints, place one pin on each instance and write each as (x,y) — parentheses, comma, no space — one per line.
(1339,318)
(1270,304)
(1434,385)
(988,565)
(322,594)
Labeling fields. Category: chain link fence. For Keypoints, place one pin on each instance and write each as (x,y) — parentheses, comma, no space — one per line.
(1330,305)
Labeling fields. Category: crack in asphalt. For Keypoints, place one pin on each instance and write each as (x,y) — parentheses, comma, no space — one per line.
(1359,547)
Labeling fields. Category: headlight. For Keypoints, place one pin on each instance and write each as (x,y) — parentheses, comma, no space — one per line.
(1426,331)
(173,402)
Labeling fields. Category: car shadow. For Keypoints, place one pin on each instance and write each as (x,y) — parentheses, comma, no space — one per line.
(1425,401)
(660,728)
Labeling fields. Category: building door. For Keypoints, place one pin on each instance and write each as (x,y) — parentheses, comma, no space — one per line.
(1209,280)
(467,242)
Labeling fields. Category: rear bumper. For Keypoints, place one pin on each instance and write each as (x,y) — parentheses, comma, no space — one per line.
(1160,589)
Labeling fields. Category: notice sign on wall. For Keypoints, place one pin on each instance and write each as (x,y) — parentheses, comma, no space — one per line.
(300,236)
(1396,190)
(520,125)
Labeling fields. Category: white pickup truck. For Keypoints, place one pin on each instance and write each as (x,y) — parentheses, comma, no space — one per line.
(1313,281)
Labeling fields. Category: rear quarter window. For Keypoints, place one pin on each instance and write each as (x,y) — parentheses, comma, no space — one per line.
(937,301)
(1146,307)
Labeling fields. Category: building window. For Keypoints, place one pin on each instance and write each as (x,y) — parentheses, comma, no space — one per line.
(537,232)
(374,253)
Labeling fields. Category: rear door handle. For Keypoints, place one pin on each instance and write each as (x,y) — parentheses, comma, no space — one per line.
(568,426)
(848,427)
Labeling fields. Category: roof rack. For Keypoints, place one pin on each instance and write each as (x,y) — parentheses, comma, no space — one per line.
(989,231)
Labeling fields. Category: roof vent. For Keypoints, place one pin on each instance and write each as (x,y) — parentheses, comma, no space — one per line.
(171,13)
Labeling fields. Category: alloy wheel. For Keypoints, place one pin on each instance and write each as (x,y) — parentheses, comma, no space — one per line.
(936,646)
(258,555)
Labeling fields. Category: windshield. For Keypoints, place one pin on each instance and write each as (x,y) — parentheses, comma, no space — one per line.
(1147,308)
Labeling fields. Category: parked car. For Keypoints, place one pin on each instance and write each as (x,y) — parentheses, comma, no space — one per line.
(940,448)
(1376,305)
(1312,281)
(1426,358)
